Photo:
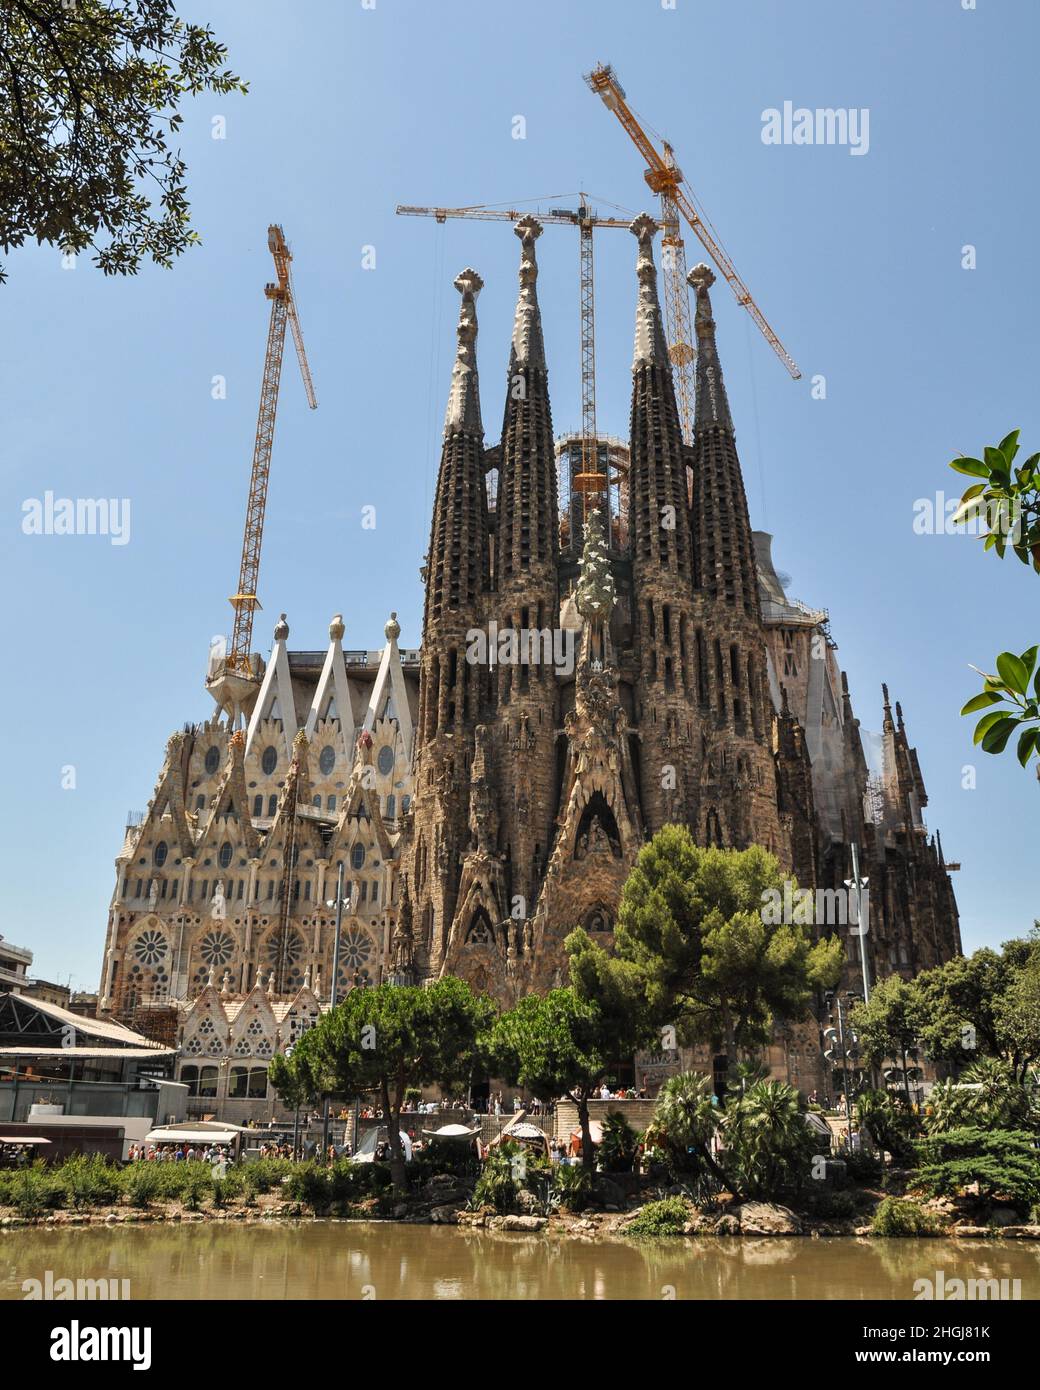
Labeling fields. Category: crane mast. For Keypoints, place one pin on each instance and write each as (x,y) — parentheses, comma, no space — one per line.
(665,178)
(283,311)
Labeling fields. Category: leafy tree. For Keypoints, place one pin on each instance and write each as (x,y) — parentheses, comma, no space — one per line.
(617,1150)
(712,961)
(392,1038)
(557,1044)
(890,1024)
(89,116)
(1004,503)
(988,1003)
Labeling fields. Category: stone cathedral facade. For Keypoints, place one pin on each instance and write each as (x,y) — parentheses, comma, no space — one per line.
(587,674)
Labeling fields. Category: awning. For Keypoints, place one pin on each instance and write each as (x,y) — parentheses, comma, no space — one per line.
(22,1139)
(595,1132)
(451,1132)
(191,1136)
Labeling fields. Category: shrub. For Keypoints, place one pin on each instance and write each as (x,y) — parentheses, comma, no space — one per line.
(265,1174)
(496,1187)
(617,1150)
(90,1181)
(573,1187)
(142,1183)
(863,1167)
(34,1189)
(197,1183)
(665,1218)
(897,1216)
(311,1183)
(833,1206)
(1003,1163)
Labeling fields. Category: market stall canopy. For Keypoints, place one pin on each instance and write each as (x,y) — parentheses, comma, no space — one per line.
(192,1136)
(595,1132)
(456,1132)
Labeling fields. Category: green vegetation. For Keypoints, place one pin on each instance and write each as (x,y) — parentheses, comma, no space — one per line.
(897,1216)
(1004,502)
(667,1217)
(1001,1164)
(89,119)
(710,961)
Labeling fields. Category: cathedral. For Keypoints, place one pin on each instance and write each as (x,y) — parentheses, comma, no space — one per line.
(607,648)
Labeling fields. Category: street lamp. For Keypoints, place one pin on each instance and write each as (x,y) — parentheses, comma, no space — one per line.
(339,902)
(862,927)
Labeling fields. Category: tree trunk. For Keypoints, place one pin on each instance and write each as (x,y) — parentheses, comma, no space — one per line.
(730,1039)
(393,1129)
(906,1085)
(588,1157)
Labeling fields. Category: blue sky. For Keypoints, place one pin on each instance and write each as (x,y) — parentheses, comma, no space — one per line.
(856,261)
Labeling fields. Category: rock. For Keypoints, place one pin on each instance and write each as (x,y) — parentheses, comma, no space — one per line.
(446,1215)
(971,1231)
(528,1202)
(477,1219)
(1003,1216)
(727,1226)
(700,1225)
(1022,1232)
(609,1193)
(523,1223)
(767,1219)
(400,1211)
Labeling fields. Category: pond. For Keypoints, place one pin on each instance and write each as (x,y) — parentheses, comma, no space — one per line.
(380,1260)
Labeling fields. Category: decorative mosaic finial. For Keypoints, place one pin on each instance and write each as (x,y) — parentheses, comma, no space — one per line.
(464,396)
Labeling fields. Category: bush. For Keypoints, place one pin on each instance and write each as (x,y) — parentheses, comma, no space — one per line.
(35,1189)
(496,1187)
(665,1218)
(769,1147)
(265,1174)
(142,1183)
(833,1206)
(90,1181)
(617,1151)
(896,1216)
(310,1183)
(1004,1163)
(573,1187)
(863,1167)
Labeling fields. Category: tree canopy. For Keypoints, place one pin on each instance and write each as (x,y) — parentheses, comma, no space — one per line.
(692,923)
(89,116)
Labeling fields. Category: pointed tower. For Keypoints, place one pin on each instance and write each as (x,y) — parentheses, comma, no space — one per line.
(525,603)
(449,686)
(662,603)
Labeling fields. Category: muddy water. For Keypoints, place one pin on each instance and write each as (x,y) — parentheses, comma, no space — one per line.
(364,1260)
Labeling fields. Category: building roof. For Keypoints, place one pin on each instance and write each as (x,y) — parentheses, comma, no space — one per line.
(103,1029)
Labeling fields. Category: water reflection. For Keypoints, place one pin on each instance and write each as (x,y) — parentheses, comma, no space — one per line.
(348,1260)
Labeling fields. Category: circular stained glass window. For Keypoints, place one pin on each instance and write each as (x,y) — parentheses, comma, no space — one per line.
(327,759)
(385,760)
(216,948)
(159,854)
(225,854)
(269,760)
(357,857)
(212,759)
(150,947)
(355,947)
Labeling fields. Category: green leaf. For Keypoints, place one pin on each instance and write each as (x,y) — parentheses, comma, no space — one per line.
(985,724)
(1028,659)
(1008,446)
(981,702)
(996,739)
(1026,744)
(975,468)
(1013,671)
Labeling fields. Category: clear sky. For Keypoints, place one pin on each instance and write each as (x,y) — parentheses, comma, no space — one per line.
(855,260)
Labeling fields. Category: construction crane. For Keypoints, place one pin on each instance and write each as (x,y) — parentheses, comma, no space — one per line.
(237,667)
(590,481)
(665,178)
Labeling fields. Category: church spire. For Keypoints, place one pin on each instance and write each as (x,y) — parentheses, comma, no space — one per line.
(712,403)
(527,503)
(651,347)
(464,397)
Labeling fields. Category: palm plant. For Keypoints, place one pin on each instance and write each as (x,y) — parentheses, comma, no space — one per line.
(769,1147)
(685,1121)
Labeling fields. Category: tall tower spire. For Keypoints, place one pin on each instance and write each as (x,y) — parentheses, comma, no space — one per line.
(724,551)
(661,559)
(449,687)
(526,599)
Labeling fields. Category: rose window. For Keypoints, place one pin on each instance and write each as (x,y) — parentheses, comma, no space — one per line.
(150,947)
(217,948)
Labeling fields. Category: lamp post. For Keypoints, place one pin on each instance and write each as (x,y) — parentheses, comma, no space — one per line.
(859,886)
(339,902)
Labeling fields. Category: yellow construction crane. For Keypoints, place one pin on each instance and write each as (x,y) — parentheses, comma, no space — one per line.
(590,481)
(665,178)
(283,311)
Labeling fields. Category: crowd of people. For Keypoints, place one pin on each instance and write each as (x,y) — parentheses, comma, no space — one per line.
(178,1153)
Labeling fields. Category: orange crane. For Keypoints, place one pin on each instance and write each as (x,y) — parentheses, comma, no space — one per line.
(665,178)
(283,311)
(590,481)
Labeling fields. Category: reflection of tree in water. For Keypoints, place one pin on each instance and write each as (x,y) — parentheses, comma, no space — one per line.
(336,1259)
